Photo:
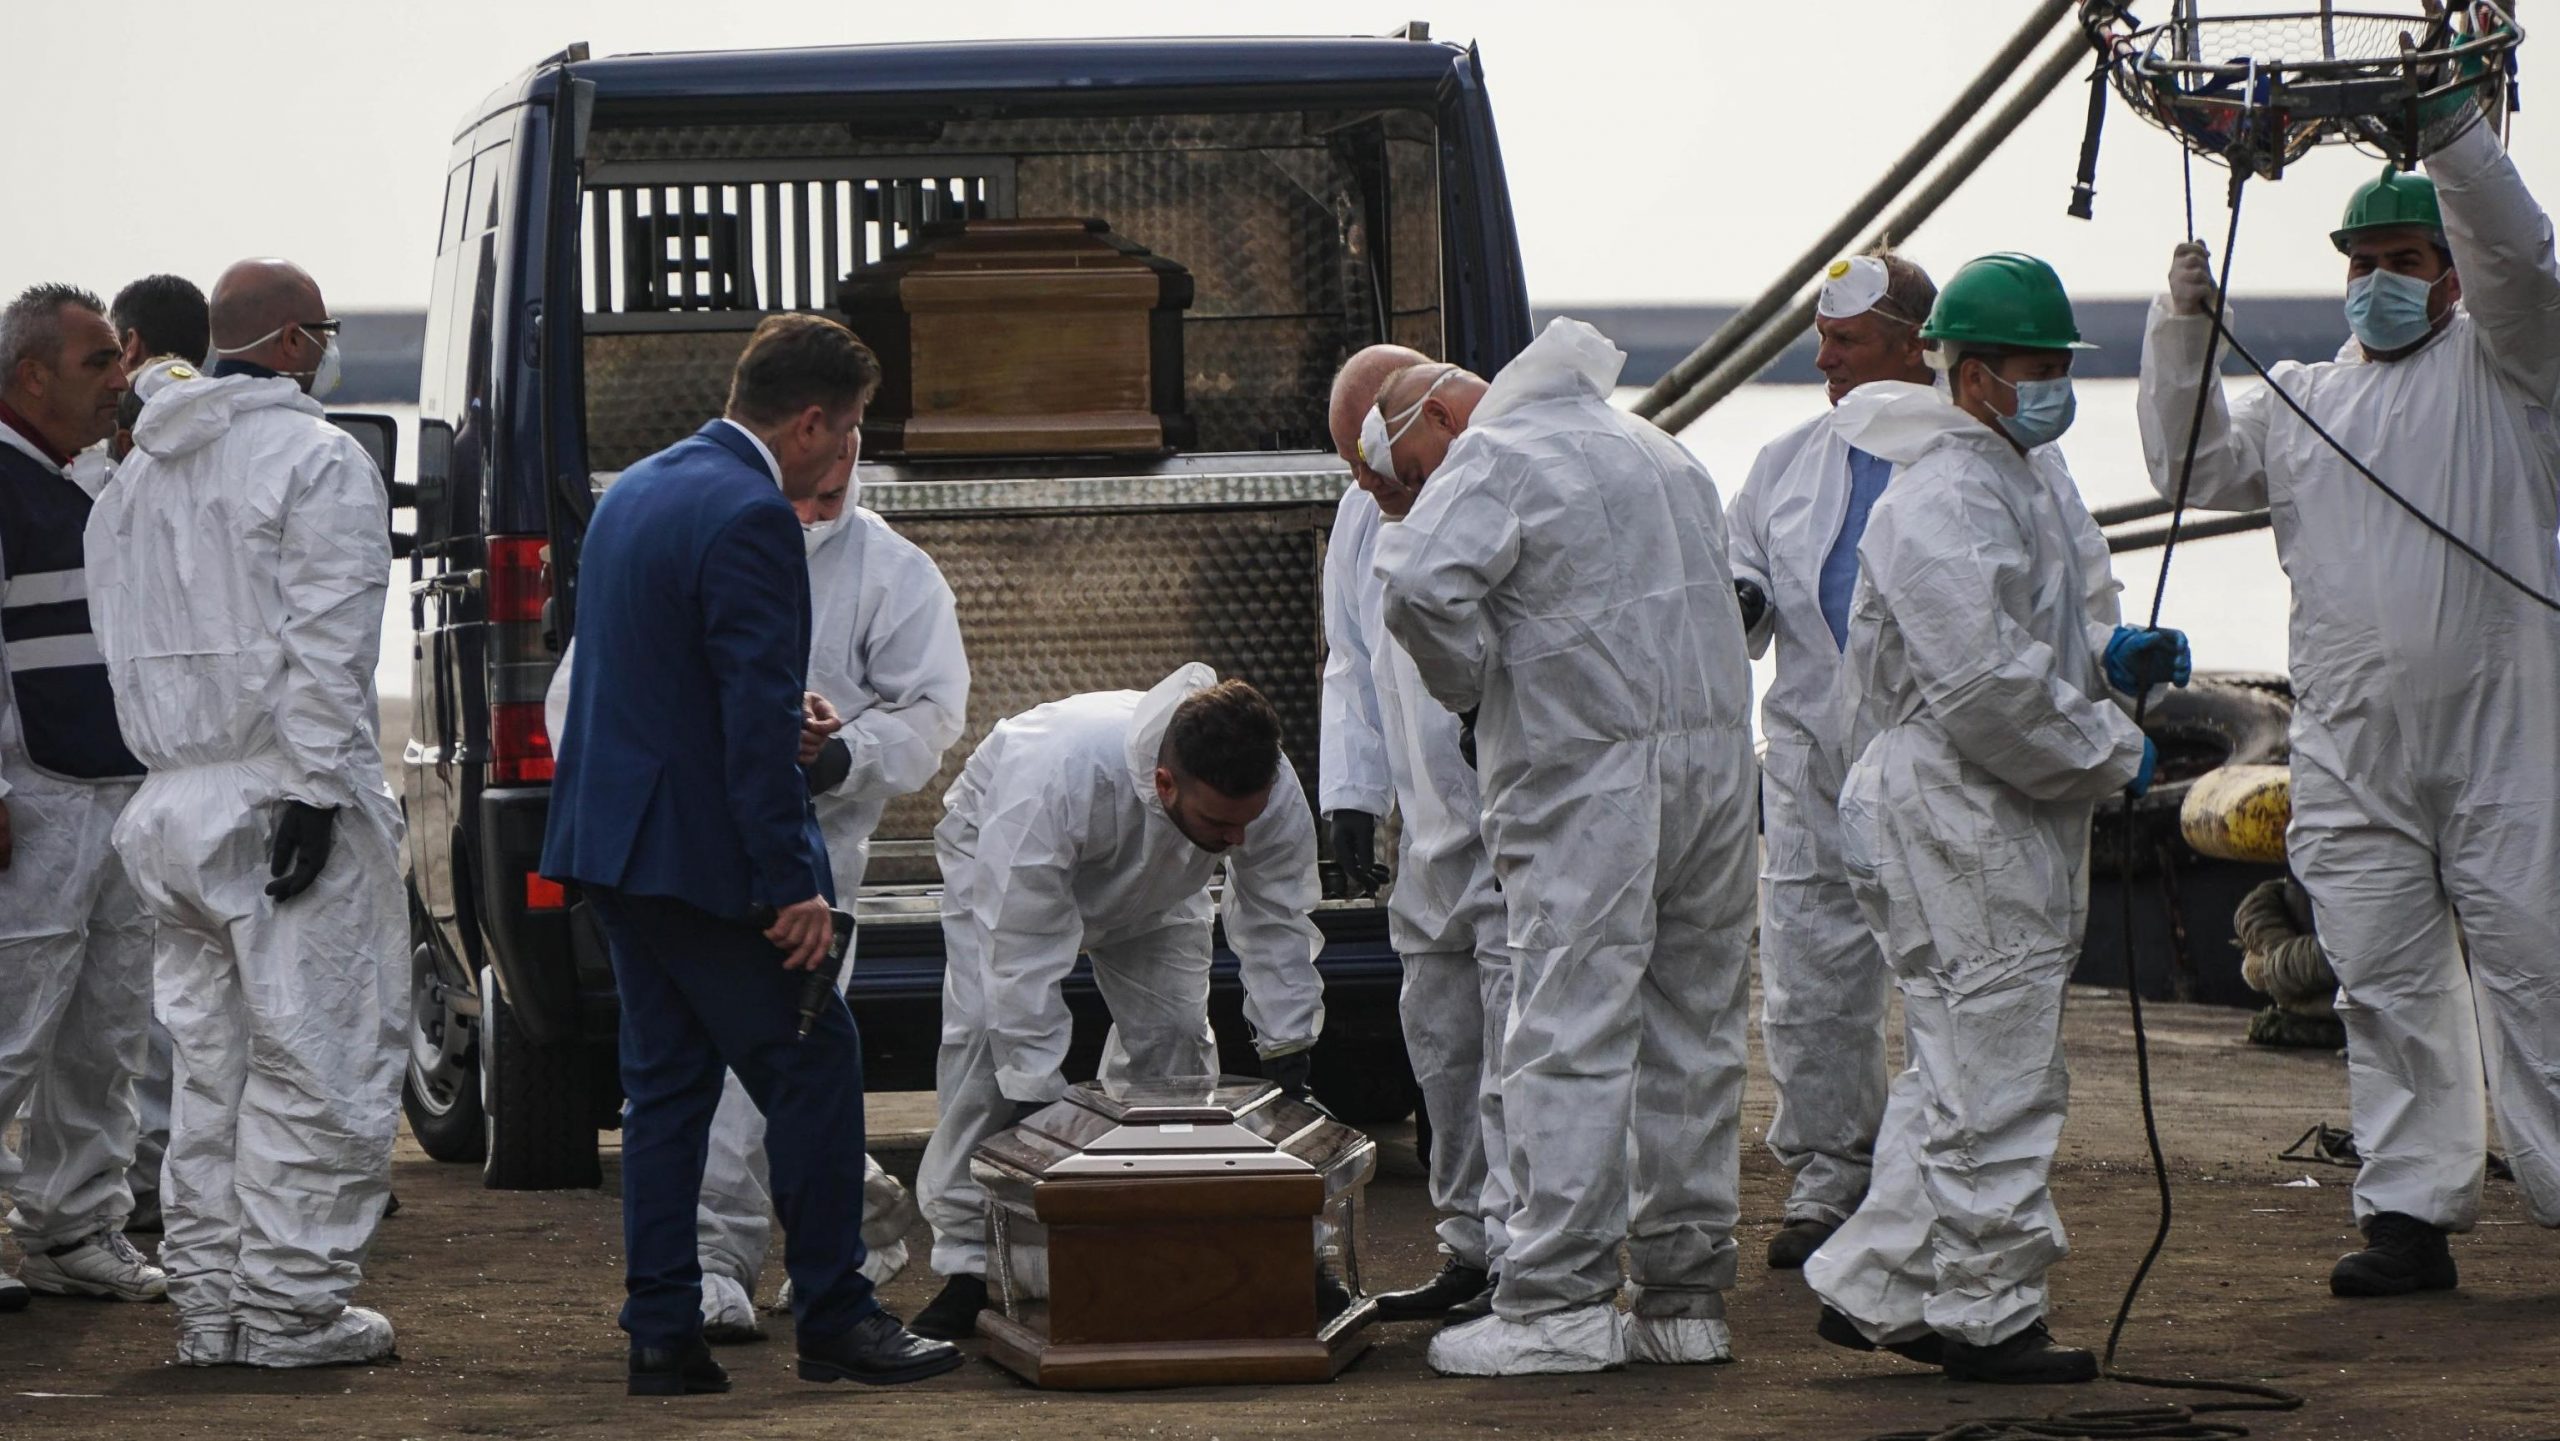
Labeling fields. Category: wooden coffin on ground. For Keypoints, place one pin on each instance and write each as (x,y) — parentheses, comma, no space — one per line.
(1171,1233)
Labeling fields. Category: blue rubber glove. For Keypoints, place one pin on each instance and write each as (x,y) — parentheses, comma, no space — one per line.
(2142,778)
(2138,658)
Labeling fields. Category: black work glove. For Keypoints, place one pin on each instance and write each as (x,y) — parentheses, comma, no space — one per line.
(834,762)
(1355,849)
(1292,1073)
(1467,736)
(1024,1111)
(300,848)
(1755,602)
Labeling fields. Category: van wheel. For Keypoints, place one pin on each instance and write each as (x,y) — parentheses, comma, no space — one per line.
(441,1091)
(541,1130)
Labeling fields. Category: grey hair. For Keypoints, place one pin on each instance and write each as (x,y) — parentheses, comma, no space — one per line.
(1909,293)
(31,326)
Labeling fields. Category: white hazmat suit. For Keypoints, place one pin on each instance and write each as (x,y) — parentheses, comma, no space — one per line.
(1564,570)
(1053,843)
(2426,722)
(1385,740)
(1985,736)
(237,569)
(1823,980)
(885,651)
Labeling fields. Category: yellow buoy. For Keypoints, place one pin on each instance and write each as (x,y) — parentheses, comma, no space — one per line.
(2238,813)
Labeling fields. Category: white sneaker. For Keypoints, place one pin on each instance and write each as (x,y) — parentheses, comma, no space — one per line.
(1678,1341)
(106,1265)
(728,1312)
(212,1344)
(1586,1338)
(358,1336)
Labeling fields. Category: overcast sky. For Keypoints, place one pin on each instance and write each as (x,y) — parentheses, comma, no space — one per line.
(1657,152)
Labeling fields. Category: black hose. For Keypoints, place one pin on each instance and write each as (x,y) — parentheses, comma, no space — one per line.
(2084,188)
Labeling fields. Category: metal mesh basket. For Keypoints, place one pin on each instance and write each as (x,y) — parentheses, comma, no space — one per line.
(2259,91)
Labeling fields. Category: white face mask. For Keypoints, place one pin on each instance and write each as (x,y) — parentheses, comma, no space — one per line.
(324,375)
(814,533)
(1378,435)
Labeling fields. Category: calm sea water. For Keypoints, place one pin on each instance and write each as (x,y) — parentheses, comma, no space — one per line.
(2227,594)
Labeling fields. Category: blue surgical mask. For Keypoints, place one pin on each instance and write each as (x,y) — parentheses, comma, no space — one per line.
(2045,409)
(2388,310)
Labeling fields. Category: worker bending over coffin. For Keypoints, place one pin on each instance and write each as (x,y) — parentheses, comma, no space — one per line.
(1094,824)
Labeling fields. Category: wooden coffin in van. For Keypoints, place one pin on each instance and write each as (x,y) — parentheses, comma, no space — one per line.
(1022,337)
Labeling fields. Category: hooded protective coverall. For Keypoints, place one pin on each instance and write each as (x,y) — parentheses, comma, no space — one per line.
(2426,720)
(75,945)
(1053,842)
(1565,571)
(1822,978)
(1386,740)
(1985,736)
(237,568)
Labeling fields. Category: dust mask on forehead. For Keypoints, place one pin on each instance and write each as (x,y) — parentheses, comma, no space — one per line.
(1851,287)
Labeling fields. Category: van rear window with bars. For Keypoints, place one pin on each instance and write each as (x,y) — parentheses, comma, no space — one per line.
(675,236)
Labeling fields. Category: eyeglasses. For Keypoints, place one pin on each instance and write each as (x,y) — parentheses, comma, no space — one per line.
(322,327)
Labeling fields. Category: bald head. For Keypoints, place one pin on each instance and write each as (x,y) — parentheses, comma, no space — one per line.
(1406,388)
(1355,391)
(260,309)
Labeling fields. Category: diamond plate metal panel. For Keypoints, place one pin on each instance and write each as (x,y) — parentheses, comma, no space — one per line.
(649,390)
(1053,605)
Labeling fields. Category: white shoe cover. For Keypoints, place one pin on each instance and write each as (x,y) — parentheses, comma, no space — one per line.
(884,1263)
(356,1337)
(1586,1338)
(728,1312)
(1678,1341)
(215,1344)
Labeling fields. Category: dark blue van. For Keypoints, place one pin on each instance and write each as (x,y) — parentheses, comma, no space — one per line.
(611,231)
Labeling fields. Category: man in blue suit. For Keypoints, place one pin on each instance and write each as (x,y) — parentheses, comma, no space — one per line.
(680,812)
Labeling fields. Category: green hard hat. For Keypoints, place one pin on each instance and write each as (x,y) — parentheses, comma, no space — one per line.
(2386,202)
(2005,299)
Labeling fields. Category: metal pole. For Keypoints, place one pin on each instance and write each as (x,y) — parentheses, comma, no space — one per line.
(1730,336)
(2158,536)
(1775,338)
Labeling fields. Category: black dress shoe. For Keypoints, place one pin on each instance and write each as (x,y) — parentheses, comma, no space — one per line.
(1796,1241)
(1479,1304)
(2030,1358)
(1839,1330)
(877,1351)
(1457,1282)
(676,1371)
(2401,1254)
(953,1315)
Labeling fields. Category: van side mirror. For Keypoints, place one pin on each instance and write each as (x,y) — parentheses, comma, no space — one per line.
(380,437)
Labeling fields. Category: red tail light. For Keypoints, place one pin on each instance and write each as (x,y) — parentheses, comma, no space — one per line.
(517,583)
(519,743)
